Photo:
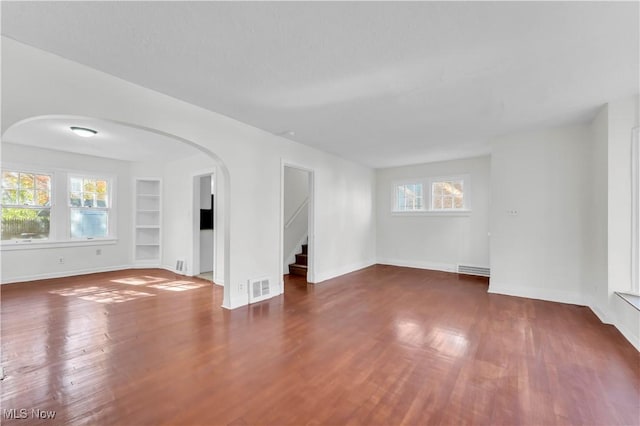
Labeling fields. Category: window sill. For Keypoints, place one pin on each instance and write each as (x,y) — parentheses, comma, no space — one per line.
(632,299)
(35,244)
(433,213)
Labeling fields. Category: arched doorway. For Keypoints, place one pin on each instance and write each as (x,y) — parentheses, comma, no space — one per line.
(144,147)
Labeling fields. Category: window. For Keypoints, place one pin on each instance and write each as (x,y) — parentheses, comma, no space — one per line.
(409,197)
(444,194)
(89,207)
(26,205)
(447,195)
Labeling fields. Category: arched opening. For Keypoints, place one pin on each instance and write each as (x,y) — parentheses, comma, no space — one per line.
(34,143)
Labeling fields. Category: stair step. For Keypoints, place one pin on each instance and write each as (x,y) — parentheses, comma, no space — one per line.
(305,247)
(296,269)
(302,259)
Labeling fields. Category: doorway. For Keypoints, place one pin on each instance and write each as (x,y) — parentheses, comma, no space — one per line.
(207,226)
(297,224)
(205,219)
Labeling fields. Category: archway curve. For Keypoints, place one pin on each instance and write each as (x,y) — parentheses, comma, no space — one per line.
(218,161)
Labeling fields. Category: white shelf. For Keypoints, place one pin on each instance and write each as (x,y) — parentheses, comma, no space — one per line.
(148,193)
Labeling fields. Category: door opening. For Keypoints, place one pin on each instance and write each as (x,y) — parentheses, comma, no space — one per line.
(204,196)
(297,225)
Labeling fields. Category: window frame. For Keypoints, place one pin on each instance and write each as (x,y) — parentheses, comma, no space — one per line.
(103,177)
(15,168)
(427,198)
(59,231)
(394,195)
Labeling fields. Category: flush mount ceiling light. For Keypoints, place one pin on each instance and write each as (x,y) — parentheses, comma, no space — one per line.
(83,131)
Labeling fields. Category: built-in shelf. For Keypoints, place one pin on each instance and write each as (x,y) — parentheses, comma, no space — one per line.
(148,220)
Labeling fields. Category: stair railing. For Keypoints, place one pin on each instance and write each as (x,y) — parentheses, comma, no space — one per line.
(296,213)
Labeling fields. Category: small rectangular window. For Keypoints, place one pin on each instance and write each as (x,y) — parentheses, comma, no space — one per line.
(447,195)
(409,197)
(26,205)
(440,195)
(89,207)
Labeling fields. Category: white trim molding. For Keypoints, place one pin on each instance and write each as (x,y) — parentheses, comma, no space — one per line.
(635,206)
(64,274)
(419,264)
(347,269)
(550,295)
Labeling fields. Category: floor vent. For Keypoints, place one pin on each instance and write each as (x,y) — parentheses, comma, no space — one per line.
(474,270)
(259,288)
(180,265)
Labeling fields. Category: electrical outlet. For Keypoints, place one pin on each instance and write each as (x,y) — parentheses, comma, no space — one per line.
(512,212)
(241,286)
(61,260)
(98,252)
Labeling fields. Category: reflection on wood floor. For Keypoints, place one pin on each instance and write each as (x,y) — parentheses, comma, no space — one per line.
(384,345)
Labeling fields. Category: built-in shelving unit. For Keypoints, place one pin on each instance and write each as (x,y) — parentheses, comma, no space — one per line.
(148,203)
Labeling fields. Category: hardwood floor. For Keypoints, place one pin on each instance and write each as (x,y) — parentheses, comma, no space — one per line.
(384,345)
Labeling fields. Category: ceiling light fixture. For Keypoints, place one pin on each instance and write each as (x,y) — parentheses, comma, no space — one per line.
(83,131)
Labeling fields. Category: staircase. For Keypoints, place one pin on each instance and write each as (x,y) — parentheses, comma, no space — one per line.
(300,267)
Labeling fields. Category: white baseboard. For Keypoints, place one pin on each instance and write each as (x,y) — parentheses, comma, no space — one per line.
(598,311)
(631,337)
(63,274)
(174,270)
(219,280)
(327,275)
(432,266)
(547,294)
(147,266)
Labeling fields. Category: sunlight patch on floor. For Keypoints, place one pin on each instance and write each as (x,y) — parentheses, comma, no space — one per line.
(71,291)
(178,285)
(139,280)
(115,296)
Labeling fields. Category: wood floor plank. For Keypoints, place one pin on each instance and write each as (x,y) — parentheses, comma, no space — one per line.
(381,346)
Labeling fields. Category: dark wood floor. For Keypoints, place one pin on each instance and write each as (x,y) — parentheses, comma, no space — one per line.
(382,346)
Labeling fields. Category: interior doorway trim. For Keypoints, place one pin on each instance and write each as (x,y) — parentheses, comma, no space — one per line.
(311,209)
(195,205)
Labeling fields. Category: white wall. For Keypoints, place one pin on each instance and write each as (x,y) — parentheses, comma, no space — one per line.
(595,278)
(539,253)
(180,211)
(295,200)
(609,256)
(435,241)
(29,264)
(623,115)
(37,83)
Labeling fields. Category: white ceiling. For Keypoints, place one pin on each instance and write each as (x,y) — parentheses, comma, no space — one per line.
(117,141)
(382,83)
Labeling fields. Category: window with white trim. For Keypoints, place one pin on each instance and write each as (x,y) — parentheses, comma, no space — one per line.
(447,194)
(88,207)
(408,197)
(55,207)
(26,205)
(442,195)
